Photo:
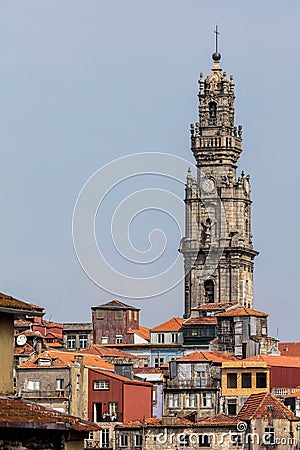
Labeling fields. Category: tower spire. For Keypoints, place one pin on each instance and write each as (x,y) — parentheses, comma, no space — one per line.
(216,56)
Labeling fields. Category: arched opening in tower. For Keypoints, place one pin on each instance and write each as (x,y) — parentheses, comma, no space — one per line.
(212,110)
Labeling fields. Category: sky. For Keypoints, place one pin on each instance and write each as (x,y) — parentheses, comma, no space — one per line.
(83,83)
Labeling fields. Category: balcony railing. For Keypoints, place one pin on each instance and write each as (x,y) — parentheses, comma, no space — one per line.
(59,393)
(186,384)
(111,419)
(281,392)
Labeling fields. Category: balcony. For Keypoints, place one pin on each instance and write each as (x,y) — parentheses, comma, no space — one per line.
(188,384)
(59,393)
(110,419)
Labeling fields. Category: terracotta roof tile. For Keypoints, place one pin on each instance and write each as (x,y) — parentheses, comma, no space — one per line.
(107,352)
(147,370)
(25,349)
(125,380)
(65,360)
(276,360)
(293,394)
(218,420)
(217,357)
(154,421)
(143,332)
(242,312)
(263,406)
(174,324)
(14,411)
(200,321)
(7,301)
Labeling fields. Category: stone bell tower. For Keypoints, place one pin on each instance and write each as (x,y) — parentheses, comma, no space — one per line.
(217,247)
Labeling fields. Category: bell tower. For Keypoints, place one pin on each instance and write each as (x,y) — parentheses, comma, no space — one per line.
(217,247)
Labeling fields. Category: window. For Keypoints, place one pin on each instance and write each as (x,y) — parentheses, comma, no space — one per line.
(119,339)
(123,440)
(101,385)
(154,395)
(174,338)
(237,440)
(138,440)
(190,400)
(231,407)
(158,361)
(204,440)
(71,341)
(44,362)
(160,338)
(269,436)
(91,435)
(261,380)
(212,110)
(207,400)
(33,385)
(119,314)
(104,340)
(209,291)
(105,437)
(59,384)
(246,380)
(99,314)
(83,341)
(78,382)
(113,408)
(130,315)
(135,315)
(232,380)
(173,400)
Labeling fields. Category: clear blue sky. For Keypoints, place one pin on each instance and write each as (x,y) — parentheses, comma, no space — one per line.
(85,82)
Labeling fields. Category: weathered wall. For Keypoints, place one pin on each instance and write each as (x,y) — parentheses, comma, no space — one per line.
(6,353)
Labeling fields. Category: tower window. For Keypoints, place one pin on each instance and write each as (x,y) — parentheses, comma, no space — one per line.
(209,291)
(212,110)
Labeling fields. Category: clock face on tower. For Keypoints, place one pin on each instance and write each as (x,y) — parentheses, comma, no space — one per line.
(208,185)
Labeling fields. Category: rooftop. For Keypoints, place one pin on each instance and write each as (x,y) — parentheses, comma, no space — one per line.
(142,332)
(215,306)
(107,352)
(289,348)
(125,380)
(17,413)
(242,312)
(263,406)
(65,360)
(217,357)
(276,360)
(174,324)
(200,321)
(218,420)
(115,304)
(10,304)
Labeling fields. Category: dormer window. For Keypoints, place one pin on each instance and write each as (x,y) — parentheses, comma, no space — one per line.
(212,110)
(44,362)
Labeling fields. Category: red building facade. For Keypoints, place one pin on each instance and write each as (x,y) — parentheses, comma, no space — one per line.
(112,321)
(112,397)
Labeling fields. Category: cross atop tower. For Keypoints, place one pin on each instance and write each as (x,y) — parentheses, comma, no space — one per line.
(217,37)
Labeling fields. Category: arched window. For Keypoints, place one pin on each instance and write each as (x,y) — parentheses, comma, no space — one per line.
(212,110)
(209,291)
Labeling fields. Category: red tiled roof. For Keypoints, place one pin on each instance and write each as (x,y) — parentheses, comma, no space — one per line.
(107,352)
(121,378)
(263,406)
(15,411)
(218,420)
(31,333)
(65,360)
(6,301)
(115,304)
(289,348)
(143,332)
(215,306)
(173,324)
(217,357)
(276,360)
(25,349)
(293,394)
(154,422)
(22,323)
(200,321)
(242,312)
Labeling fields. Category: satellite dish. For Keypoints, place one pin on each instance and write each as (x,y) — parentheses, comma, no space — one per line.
(21,339)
